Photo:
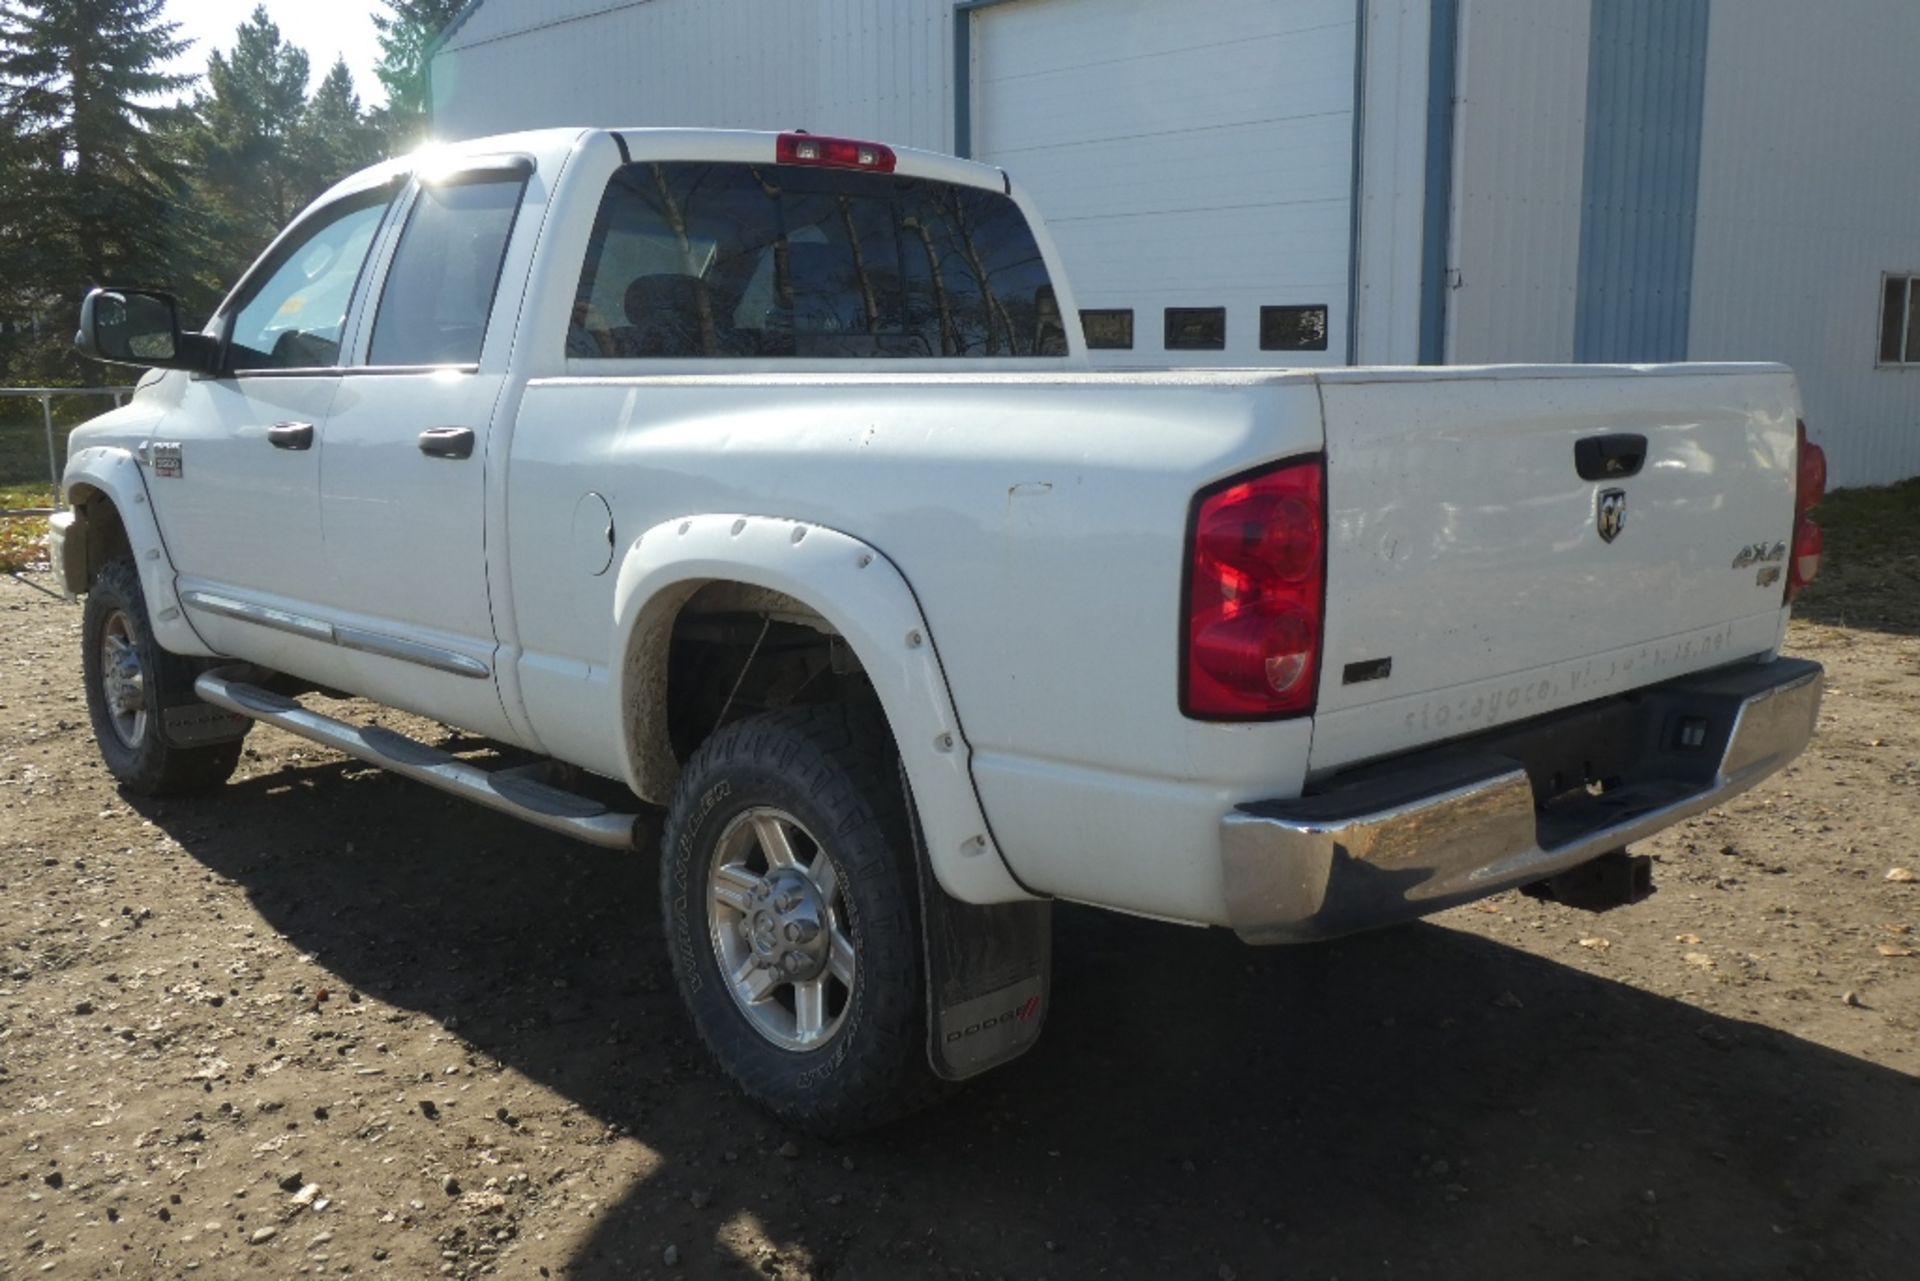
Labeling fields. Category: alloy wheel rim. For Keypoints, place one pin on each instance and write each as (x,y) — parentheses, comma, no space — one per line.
(123,680)
(777,917)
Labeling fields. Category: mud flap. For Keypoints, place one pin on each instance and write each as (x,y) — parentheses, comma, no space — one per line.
(187,720)
(989,974)
(196,724)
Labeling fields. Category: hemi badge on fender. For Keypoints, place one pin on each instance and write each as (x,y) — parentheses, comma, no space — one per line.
(1374,669)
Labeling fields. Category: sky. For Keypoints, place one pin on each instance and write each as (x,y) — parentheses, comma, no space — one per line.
(324,28)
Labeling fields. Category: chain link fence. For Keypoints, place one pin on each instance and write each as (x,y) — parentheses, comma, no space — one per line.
(34,424)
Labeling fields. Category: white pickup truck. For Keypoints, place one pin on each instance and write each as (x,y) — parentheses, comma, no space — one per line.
(763,478)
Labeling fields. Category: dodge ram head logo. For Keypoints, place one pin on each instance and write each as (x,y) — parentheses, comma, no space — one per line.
(1612,514)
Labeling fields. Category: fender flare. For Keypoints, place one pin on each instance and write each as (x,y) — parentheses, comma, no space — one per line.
(111,473)
(867,600)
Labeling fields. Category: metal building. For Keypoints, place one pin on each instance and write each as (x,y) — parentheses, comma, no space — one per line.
(1238,182)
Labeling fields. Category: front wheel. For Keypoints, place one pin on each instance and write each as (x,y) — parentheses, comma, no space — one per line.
(130,680)
(791,905)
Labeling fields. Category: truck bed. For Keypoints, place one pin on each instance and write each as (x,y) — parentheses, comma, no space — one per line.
(1041,521)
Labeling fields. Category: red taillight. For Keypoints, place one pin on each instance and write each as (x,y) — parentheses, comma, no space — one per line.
(1254,596)
(1811,474)
(1808,546)
(1809,487)
(834,153)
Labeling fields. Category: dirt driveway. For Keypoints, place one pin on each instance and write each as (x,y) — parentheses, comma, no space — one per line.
(327,1022)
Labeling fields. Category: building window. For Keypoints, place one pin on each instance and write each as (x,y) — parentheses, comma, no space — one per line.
(1900,321)
(1196,329)
(1293,329)
(1110,330)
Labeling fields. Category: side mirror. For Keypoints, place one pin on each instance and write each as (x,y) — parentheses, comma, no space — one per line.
(139,327)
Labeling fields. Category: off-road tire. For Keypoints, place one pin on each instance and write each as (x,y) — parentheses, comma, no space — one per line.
(151,766)
(834,769)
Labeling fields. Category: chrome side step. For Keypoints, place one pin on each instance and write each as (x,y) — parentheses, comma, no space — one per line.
(509,791)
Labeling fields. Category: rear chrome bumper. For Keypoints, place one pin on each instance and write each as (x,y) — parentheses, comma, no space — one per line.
(1414,836)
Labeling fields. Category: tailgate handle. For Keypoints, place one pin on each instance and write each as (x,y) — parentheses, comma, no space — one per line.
(1609,457)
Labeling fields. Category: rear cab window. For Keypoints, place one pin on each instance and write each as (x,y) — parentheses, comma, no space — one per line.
(736,260)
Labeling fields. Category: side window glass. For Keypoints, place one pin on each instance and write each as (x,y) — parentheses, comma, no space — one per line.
(440,288)
(292,317)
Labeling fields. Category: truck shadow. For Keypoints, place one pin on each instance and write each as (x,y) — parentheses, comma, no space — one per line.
(1419,1100)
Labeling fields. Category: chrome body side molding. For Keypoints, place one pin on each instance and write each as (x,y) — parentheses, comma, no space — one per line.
(409,651)
(358,638)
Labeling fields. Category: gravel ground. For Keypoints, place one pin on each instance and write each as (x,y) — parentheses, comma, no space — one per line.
(324,1021)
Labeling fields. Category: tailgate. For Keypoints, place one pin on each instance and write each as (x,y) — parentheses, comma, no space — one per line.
(1474,577)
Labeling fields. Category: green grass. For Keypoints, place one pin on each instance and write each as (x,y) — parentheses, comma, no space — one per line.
(23,538)
(23,461)
(1870,576)
(24,482)
(13,497)
(23,542)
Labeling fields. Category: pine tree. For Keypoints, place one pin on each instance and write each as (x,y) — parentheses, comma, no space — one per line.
(336,134)
(88,175)
(15,206)
(80,79)
(335,103)
(246,146)
(407,33)
(201,259)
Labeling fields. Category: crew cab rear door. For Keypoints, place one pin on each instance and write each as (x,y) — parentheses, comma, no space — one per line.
(403,488)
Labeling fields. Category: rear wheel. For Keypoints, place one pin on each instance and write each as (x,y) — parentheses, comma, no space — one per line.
(129,681)
(791,905)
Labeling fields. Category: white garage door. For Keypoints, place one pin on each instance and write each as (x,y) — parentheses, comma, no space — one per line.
(1194,161)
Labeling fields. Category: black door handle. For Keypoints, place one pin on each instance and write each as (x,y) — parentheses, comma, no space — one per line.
(447,442)
(1609,457)
(290,435)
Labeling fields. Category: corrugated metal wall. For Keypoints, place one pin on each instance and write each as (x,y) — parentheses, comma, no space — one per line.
(1646,77)
(1518,178)
(871,68)
(1574,221)
(1809,191)
(1392,182)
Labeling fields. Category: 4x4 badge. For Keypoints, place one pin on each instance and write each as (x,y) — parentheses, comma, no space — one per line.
(1612,515)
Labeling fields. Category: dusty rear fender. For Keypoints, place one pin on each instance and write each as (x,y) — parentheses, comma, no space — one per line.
(110,474)
(866,599)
